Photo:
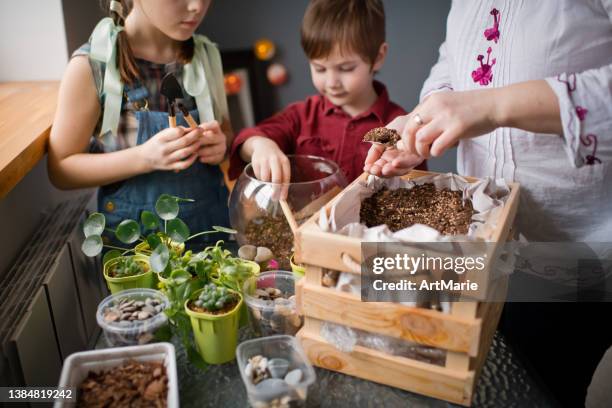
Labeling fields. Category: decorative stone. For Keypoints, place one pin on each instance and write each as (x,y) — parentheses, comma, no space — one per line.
(271,388)
(111,317)
(247,252)
(143,315)
(263,255)
(294,377)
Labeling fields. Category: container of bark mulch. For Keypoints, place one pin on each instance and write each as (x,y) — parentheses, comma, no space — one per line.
(270,298)
(441,209)
(215,319)
(132,316)
(275,371)
(136,376)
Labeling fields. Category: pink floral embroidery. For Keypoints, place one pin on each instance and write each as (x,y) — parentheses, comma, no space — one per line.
(589,140)
(581,112)
(484,74)
(492,34)
(568,80)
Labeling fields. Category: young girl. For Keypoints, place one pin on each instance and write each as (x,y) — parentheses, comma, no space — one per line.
(111,127)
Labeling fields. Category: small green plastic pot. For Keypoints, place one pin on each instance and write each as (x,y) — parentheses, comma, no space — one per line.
(244,312)
(216,336)
(195,283)
(144,280)
(297,269)
(143,248)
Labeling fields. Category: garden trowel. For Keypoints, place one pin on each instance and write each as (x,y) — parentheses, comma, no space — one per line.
(172,90)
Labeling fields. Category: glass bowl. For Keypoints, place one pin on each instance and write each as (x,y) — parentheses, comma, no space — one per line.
(255,211)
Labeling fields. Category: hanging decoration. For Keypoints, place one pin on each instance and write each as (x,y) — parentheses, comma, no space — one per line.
(277,74)
(233,83)
(264,49)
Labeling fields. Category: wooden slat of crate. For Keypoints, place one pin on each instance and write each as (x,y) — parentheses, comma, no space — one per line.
(435,381)
(422,326)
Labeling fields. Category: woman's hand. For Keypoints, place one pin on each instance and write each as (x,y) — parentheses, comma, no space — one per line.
(444,118)
(171,149)
(384,162)
(269,162)
(214,143)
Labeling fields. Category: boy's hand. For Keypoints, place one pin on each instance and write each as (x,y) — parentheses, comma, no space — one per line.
(214,143)
(171,149)
(269,163)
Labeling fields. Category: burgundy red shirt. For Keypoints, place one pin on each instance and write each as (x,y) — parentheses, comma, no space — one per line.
(317,127)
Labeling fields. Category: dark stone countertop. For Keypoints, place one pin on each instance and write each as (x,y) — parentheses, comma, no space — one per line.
(504,382)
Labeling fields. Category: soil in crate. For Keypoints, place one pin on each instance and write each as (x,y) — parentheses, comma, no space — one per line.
(443,210)
(274,233)
(134,384)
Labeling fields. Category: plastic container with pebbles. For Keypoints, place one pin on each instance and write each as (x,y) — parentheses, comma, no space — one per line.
(132,316)
(270,298)
(275,371)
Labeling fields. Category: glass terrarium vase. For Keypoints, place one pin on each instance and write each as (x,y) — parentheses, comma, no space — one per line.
(255,211)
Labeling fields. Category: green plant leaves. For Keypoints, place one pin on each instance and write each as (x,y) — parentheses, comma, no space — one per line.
(153,240)
(92,245)
(94,225)
(159,258)
(177,230)
(180,276)
(149,220)
(112,254)
(224,229)
(167,207)
(128,231)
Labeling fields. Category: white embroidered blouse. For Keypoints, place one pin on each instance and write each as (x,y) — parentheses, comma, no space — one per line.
(566,180)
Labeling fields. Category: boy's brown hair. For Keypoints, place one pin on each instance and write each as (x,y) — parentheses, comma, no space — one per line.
(354,25)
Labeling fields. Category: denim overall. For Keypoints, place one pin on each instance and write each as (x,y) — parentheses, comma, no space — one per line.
(200,182)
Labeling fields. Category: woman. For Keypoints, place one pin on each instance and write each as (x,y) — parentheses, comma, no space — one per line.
(525,90)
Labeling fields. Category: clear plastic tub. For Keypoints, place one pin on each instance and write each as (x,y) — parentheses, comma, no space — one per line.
(268,317)
(130,333)
(284,347)
(78,365)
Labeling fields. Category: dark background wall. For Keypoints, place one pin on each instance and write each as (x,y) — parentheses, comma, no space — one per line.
(415,30)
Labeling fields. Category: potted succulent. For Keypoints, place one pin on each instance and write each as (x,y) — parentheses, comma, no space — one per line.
(214,314)
(167,235)
(128,272)
(186,274)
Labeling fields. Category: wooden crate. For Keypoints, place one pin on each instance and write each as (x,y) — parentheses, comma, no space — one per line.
(465,333)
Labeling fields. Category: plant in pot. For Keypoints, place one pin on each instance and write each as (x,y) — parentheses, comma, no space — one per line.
(232,273)
(167,235)
(214,315)
(188,273)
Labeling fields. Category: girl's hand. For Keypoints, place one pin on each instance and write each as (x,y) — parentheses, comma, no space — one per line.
(214,143)
(269,162)
(171,149)
(384,162)
(444,118)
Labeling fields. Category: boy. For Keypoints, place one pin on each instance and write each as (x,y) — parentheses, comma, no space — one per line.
(344,41)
